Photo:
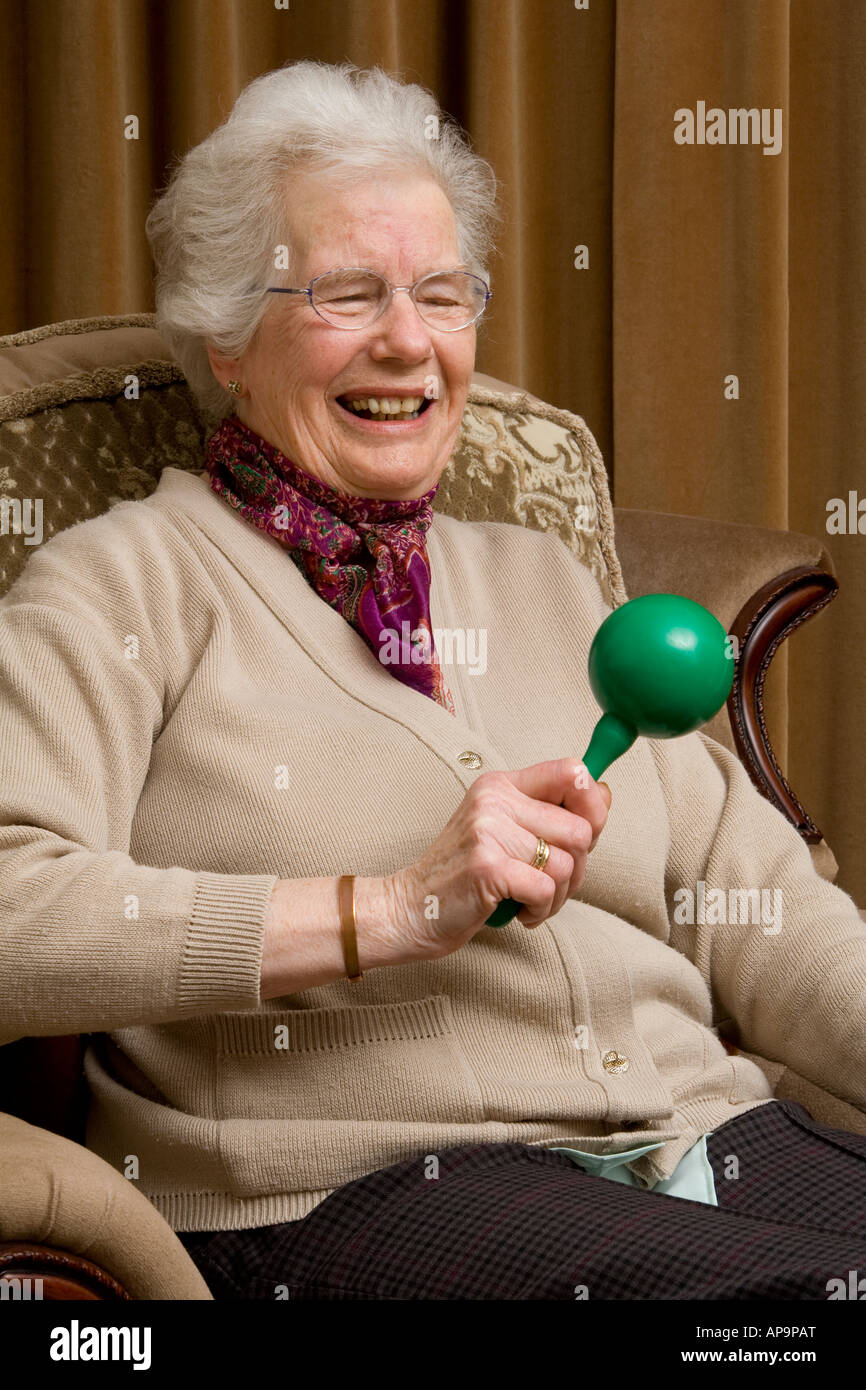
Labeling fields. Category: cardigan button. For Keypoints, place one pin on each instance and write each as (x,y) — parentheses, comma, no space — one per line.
(469,759)
(614,1062)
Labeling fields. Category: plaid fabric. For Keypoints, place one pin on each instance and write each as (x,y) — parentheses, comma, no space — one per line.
(513,1221)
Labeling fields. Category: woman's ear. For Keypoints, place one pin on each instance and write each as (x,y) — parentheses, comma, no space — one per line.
(225,369)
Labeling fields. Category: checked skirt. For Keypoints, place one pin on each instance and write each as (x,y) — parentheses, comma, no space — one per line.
(514,1221)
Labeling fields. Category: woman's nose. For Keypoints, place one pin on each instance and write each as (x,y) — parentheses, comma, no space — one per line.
(401,327)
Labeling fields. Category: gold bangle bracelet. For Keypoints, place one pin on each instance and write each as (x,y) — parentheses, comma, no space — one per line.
(347,926)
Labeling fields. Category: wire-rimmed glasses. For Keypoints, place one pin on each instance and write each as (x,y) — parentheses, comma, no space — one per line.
(353,297)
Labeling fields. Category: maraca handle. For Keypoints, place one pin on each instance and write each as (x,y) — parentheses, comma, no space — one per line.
(611,737)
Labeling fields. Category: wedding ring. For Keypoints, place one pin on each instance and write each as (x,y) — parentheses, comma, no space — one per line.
(542,854)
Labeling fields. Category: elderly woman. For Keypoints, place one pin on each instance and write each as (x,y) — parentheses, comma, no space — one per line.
(254,828)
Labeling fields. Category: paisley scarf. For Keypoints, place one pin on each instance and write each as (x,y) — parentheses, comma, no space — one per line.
(365,556)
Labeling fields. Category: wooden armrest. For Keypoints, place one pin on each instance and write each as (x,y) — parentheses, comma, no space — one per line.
(36,1272)
(762,624)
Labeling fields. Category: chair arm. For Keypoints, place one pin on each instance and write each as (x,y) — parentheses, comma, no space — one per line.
(763,623)
(761,585)
(97,1227)
(720,564)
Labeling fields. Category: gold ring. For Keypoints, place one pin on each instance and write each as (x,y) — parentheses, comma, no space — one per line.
(542,854)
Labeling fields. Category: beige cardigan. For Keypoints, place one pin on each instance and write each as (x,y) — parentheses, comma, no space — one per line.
(183,720)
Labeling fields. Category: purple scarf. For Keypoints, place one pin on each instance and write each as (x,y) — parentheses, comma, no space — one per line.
(365,556)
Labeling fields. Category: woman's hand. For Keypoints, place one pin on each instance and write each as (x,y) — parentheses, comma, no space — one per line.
(485,854)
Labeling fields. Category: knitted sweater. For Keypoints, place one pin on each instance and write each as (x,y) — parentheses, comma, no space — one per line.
(183,721)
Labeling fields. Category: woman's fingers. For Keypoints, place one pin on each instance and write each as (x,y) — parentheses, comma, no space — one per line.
(559,827)
(571,836)
(544,898)
(608,794)
(562,781)
(565,782)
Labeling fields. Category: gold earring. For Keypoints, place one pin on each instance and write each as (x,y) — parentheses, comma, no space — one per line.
(235,386)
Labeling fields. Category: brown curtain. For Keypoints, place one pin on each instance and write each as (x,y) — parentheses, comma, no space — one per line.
(704,262)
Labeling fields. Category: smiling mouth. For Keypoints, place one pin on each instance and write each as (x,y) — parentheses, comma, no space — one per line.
(393,409)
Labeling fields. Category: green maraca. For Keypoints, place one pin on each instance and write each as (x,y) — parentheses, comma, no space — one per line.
(659,666)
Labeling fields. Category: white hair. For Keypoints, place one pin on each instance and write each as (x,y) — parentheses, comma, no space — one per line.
(214,230)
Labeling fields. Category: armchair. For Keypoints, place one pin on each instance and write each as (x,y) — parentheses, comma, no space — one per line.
(90,412)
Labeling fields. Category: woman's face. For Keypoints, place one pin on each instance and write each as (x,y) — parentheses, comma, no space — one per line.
(298,366)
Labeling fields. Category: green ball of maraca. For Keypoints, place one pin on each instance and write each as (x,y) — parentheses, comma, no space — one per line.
(662,664)
(659,666)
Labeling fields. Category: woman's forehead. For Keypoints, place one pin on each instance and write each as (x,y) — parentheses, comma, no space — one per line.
(409,220)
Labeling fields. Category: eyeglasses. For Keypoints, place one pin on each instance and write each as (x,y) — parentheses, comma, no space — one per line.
(352,297)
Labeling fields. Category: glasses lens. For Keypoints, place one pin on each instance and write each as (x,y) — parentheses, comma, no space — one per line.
(451,300)
(349,298)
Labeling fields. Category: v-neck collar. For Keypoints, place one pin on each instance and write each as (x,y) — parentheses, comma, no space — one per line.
(337,647)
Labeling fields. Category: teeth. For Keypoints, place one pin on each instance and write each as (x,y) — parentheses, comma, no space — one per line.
(388,407)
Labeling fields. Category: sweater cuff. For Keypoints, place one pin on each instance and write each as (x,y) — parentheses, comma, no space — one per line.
(222,958)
